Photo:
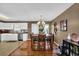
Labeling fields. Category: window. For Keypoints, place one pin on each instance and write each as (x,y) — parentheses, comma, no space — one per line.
(46,29)
(35,29)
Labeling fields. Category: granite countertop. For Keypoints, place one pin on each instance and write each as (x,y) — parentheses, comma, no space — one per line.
(7,48)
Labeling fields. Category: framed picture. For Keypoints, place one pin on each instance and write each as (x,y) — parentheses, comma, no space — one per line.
(63,25)
(55,27)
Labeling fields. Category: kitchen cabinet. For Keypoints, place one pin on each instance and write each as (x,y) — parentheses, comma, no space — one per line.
(9,37)
(25,37)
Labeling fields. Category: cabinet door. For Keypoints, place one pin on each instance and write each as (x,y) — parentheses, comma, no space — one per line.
(9,37)
(25,37)
(6,26)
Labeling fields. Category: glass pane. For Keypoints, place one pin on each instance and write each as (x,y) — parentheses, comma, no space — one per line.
(35,29)
(46,29)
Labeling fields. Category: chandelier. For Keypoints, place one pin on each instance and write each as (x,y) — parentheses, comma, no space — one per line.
(41,25)
(41,21)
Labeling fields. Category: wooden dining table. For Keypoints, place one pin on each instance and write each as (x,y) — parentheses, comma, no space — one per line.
(43,41)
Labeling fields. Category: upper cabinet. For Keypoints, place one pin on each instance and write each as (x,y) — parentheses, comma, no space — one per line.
(6,26)
(14,26)
(20,26)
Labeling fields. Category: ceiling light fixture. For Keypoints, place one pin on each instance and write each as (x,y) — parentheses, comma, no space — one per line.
(41,21)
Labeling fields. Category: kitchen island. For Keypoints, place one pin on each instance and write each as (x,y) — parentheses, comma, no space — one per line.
(13,36)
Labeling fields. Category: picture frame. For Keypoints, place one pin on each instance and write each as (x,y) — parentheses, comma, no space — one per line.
(63,25)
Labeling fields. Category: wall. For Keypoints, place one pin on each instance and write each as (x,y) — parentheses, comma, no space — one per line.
(72,15)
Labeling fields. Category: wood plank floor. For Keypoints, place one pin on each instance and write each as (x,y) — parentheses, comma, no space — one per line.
(25,50)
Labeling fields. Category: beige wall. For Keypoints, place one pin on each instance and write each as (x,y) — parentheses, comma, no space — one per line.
(72,15)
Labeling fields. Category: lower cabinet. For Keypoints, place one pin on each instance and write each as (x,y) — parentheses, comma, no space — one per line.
(9,37)
(25,37)
(13,37)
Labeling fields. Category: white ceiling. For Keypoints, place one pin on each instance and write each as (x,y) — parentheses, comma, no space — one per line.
(32,11)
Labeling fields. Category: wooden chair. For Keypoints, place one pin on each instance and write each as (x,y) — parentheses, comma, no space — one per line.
(50,42)
(34,42)
(42,41)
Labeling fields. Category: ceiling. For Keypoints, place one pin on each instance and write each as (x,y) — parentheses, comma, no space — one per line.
(31,11)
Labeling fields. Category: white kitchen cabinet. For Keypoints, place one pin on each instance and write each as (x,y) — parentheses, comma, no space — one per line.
(9,37)
(6,26)
(14,26)
(25,37)
(20,26)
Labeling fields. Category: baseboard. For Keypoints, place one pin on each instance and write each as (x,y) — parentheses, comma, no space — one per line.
(56,43)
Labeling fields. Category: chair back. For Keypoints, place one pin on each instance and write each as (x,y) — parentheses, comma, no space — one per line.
(41,37)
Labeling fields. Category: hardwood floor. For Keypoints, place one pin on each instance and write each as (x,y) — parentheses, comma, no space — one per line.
(25,50)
